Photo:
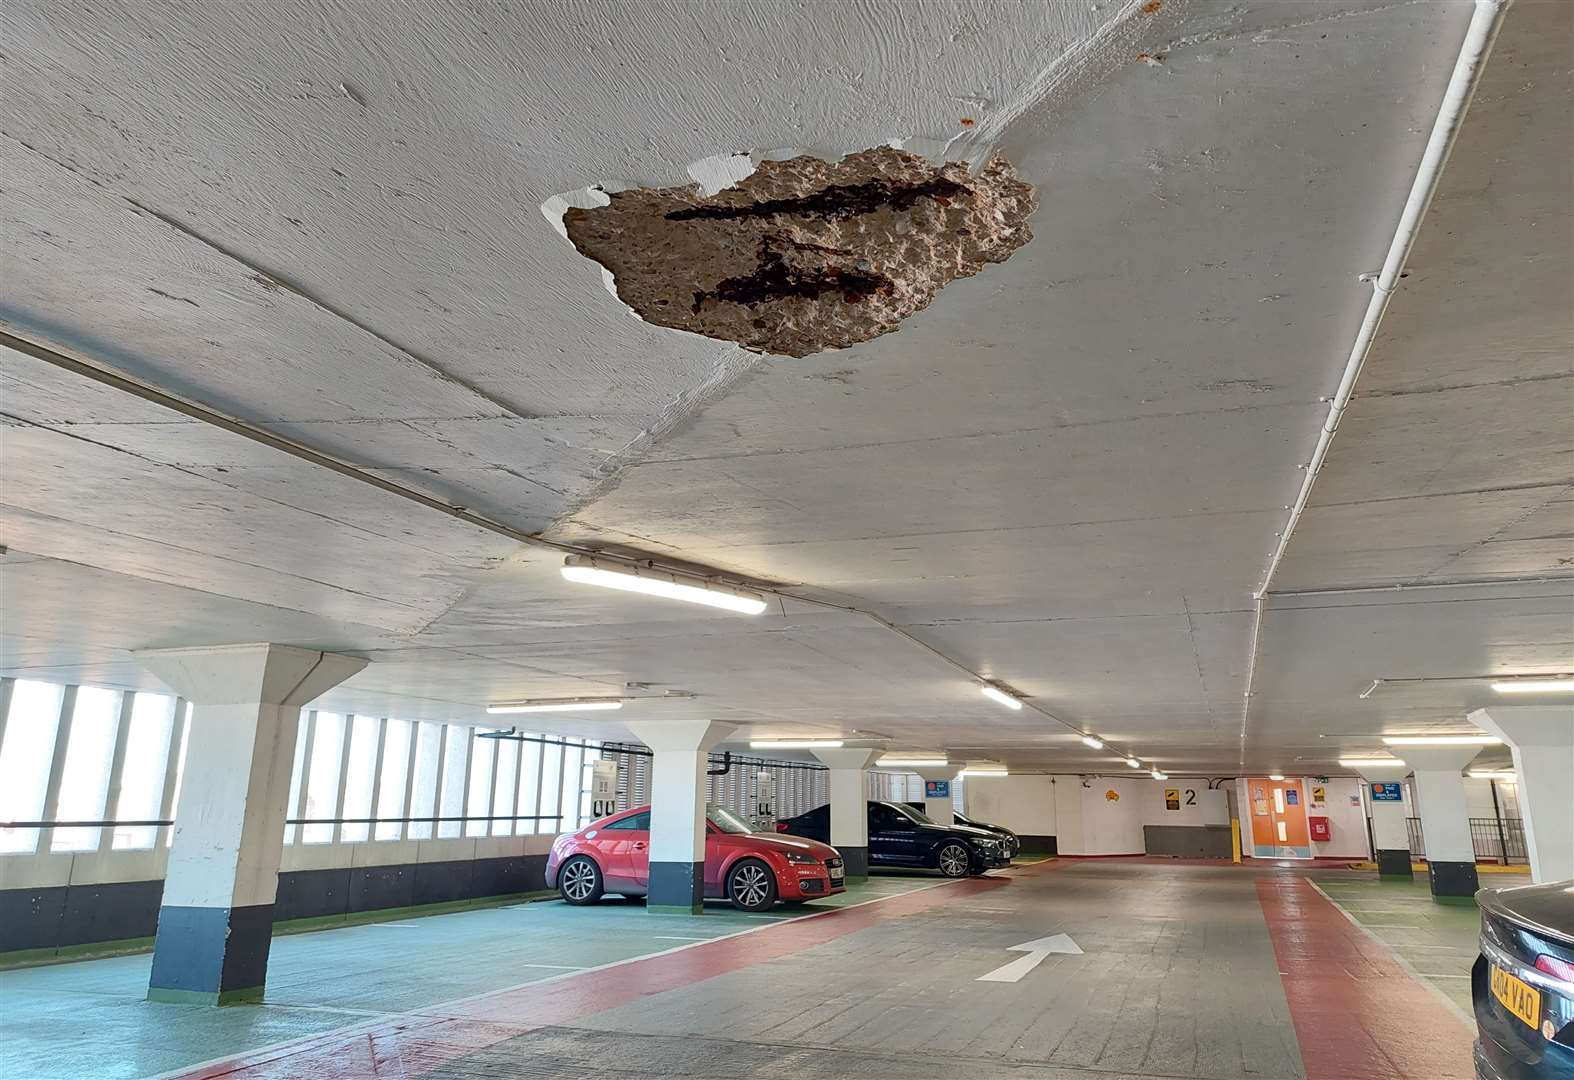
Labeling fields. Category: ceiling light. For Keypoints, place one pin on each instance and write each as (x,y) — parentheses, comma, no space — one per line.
(1370,762)
(911,763)
(1157,775)
(556,705)
(1276,777)
(1536,686)
(644,579)
(1493,774)
(795,744)
(1133,763)
(994,693)
(1441,740)
(1093,741)
(976,773)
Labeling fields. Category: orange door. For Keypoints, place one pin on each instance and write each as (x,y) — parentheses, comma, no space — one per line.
(1278,813)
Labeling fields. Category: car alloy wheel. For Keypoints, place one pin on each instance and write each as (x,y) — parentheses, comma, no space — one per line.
(751,887)
(580,882)
(954,860)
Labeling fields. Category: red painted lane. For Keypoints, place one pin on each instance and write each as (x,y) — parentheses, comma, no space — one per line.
(410,1046)
(1357,1013)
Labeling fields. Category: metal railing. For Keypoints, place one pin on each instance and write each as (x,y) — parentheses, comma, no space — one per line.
(1499,838)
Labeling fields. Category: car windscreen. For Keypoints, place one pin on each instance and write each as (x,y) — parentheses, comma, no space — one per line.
(915,815)
(726,820)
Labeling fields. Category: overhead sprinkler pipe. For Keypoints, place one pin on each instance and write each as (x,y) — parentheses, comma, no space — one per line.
(1485,22)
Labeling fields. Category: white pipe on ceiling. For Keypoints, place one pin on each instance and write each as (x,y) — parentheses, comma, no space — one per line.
(1485,22)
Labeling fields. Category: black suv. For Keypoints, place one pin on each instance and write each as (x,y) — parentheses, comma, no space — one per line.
(1012,841)
(902,836)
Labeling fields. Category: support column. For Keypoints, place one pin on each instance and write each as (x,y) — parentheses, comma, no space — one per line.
(939,809)
(680,757)
(1390,835)
(1445,819)
(216,922)
(849,791)
(1542,740)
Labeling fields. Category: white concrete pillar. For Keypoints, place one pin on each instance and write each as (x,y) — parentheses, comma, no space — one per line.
(216,919)
(1390,834)
(1542,740)
(939,808)
(680,759)
(849,791)
(1445,818)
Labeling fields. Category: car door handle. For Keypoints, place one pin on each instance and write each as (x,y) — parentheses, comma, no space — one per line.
(639,845)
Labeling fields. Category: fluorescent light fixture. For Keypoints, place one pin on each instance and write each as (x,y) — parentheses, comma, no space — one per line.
(1441,740)
(556,705)
(1493,774)
(978,773)
(1133,763)
(994,693)
(1094,741)
(1157,775)
(1535,686)
(630,577)
(1276,777)
(911,763)
(1371,762)
(795,744)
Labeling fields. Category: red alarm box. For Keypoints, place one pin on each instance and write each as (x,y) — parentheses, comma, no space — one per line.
(1320,829)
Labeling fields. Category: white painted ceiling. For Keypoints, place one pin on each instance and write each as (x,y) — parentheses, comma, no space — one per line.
(1067,474)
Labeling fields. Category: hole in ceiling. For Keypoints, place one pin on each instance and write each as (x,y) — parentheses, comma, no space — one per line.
(805,254)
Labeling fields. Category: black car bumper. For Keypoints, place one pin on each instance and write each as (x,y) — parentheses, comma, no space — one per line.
(991,860)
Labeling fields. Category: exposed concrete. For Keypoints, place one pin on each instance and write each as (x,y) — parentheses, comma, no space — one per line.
(805,254)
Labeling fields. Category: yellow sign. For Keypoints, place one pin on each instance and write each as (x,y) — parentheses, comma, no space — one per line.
(1172,798)
(1112,795)
(1317,796)
(1518,998)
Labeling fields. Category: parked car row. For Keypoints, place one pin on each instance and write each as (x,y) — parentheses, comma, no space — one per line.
(755,870)
(902,836)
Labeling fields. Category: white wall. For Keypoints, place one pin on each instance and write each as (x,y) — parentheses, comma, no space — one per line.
(1100,815)
(1023,804)
(1347,822)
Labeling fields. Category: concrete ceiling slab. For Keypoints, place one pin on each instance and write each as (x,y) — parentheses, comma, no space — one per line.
(1066,472)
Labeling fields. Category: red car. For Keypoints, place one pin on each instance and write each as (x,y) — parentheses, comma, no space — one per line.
(753,870)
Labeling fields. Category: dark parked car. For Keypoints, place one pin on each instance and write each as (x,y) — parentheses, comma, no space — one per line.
(902,836)
(1012,841)
(1523,983)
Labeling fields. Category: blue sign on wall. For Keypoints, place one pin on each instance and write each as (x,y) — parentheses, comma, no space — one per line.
(1387,791)
(937,789)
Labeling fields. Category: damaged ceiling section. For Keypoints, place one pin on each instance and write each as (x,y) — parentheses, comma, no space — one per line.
(805,254)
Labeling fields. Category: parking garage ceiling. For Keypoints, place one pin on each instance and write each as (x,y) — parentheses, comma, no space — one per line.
(1066,473)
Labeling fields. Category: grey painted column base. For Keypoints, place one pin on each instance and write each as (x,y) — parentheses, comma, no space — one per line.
(676,888)
(855,862)
(1453,882)
(211,956)
(1394,864)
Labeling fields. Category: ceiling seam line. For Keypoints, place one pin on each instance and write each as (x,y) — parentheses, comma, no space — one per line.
(235,426)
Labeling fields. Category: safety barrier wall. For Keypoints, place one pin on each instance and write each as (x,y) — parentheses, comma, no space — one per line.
(61,902)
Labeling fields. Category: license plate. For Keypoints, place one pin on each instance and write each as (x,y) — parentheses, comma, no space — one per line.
(836,873)
(1519,998)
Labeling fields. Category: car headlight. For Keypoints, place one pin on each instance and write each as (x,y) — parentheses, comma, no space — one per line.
(987,845)
(800,857)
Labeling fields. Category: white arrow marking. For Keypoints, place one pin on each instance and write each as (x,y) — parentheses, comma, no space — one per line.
(1036,951)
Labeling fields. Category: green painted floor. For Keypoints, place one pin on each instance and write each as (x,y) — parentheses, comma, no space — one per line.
(89,1019)
(1436,941)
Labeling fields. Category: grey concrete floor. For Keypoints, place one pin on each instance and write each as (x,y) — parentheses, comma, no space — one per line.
(1177,978)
